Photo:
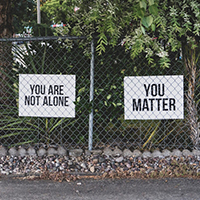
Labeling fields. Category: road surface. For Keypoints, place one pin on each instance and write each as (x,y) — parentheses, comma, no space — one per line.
(119,189)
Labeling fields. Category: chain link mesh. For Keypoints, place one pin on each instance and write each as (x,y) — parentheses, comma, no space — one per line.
(54,56)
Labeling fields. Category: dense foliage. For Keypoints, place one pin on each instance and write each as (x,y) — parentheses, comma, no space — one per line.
(152,26)
(24,14)
(155,28)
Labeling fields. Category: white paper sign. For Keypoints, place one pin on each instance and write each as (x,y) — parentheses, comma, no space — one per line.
(153,97)
(43,95)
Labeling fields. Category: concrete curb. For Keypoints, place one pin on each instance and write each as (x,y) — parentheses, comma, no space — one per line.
(61,151)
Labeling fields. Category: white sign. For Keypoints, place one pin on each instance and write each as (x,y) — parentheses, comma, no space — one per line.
(153,97)
(43,95)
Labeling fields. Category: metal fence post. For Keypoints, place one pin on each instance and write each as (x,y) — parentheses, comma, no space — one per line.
(38,12)
(91,96)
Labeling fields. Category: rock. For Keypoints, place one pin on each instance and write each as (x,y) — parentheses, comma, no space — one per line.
(70,162)
(177,153)
(51,151)
(92,169)
(88,152)
(78,159)
(166,153)
(102,159)
(107,151)
(157,153)
(3,151)
(95,160)
(31,151)
(13,152)
(41,152)
(4,172)
(119,159)
(128,165)
(196,152)
(127,153)
(96,152)
(137,153)
(117,152)
(186,153)
(83,165)
(21,152)
(146,154)
(75,152)
(126,162)
(61,151)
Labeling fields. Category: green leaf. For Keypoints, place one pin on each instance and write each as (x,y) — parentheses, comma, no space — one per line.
(143,30)
(105,102)
(81,90)
(147,21)
(143,5)
(151,2)
(114,104)
(140,12)
(109,96)
(153,27)
(11,134)
(78,99)
(153,10)
(102,42)
(113,87)
(152,134)
(56,125)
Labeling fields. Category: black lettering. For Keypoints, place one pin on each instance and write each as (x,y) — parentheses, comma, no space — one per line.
(147,89)
(27,100)
(136,105)
(165,104)
(32,100)
(37,100)
(61,101)
(151,100)
(56,89)
(37,89)
(50,103)
(32,88)
(50,91)
(172,104)
(66,101)
(43,87)
(61,89)
(55,101)
(145,105)
(158,103)
(154,90)
(45,102)
(161,92)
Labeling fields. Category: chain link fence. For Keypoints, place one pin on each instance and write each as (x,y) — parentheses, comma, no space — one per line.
(55,92)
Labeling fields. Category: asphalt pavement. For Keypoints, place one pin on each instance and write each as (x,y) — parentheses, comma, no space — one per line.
(117,189)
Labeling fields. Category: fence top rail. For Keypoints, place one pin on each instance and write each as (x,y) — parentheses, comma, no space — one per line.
(41,38)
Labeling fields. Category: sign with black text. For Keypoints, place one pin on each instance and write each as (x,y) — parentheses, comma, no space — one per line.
(44,95)
(153,97)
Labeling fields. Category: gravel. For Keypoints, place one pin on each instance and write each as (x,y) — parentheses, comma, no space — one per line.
(59,163)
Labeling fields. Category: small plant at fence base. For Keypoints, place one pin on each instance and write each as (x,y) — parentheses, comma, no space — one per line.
(149,134)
